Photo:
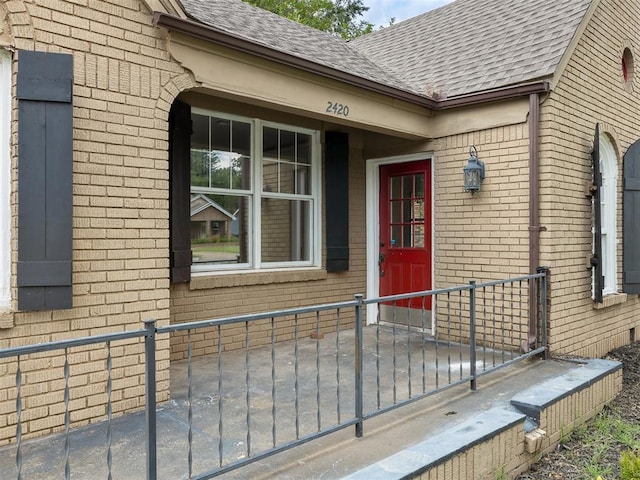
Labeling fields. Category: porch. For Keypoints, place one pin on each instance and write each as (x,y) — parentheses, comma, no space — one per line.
(239,412)
(330,457)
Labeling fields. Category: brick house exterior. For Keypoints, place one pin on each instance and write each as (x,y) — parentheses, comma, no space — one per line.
(133,61)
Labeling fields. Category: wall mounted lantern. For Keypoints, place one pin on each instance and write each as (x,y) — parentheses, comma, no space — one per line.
(473,172)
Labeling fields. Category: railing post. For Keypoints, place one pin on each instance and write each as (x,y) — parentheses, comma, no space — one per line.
(472,334)
(543,293)
(358,368)
(150,393)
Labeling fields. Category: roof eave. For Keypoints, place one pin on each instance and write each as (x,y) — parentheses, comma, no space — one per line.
(225,39)
(228,40)
(498,94)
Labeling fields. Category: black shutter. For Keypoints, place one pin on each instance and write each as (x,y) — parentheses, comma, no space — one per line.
(596,260)
(337,200)
(179,191)
(631,225)
(45,180)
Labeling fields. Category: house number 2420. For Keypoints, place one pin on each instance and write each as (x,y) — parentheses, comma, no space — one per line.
(337,109)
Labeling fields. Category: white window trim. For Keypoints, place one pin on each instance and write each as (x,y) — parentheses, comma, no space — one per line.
(609,214)
(255,263)
(5,180)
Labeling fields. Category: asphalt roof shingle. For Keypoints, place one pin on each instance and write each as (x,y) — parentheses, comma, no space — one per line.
(268,29)
(475,45)
(464,47)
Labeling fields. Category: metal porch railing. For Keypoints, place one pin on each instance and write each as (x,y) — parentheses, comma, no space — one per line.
(273,381)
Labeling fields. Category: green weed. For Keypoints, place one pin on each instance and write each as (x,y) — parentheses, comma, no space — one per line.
(629,466)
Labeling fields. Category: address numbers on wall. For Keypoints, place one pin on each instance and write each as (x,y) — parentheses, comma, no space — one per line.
(337,109)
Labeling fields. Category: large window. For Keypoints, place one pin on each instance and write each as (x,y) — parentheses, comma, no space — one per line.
(5,211)
(254,194)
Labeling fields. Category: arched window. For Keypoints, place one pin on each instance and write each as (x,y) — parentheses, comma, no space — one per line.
(609,213)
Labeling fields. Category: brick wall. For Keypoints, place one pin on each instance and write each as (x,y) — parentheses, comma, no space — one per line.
(482,236)
(590,90)
(124,83)
(506,454)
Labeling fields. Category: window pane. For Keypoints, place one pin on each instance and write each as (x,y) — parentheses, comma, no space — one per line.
(396,236)
(407,186)
(420,185)
(215,160)
(200,135)
(199,168)
(286,160)
(220,134)
(269,175)
(287,177)
(406,236)
(285,230)
(396,212)
(304,148)
(225,169)
(241,138)
(396,191)
(219,229)
(240,172)
(270,142)
(418,210)
(418,235)
(287,146)
(303,181)
(200,151)
(406,211)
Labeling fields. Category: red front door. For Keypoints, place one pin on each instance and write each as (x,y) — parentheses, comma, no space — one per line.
(405,228)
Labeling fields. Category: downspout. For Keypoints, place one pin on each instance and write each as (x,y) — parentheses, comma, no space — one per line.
(534,211)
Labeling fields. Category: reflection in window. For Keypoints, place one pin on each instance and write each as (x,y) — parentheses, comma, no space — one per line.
(285,227)
(407,211)
(219,225)
(220,153)
(286,160)
(251,209)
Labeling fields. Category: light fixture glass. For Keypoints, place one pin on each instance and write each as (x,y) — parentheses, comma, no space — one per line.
(473,172)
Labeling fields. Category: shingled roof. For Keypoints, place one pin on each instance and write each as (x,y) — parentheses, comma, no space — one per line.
(259,26)
(475,45)
(465,47)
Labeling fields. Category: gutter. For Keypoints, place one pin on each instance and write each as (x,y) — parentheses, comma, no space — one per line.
(534,184)
(534,210)
(234,42)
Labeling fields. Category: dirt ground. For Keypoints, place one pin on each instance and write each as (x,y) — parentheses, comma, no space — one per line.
(563,463)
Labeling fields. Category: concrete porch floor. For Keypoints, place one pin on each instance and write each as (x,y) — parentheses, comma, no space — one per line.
(331,457)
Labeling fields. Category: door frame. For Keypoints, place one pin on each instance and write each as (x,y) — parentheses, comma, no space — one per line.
(373,221)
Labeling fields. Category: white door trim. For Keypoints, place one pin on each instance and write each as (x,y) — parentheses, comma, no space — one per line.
(5,180)
(373,221)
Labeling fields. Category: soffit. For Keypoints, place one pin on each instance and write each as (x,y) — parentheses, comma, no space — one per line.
(253,80)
